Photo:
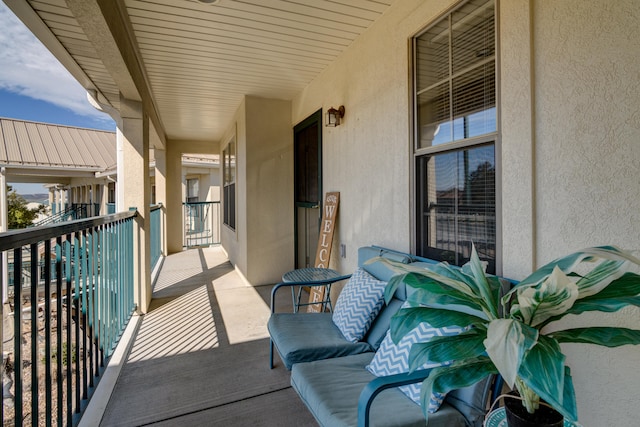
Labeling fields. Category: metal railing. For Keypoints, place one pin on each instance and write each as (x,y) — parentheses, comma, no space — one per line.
(67,315)
(201,224)
(75,211)
(64,215)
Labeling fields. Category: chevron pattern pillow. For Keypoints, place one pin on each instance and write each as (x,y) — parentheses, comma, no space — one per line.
(394,359)
(358,304)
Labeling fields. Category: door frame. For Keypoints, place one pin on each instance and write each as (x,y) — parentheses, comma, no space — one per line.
(315,118)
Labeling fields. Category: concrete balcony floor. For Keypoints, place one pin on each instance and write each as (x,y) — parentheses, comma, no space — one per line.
(200,356)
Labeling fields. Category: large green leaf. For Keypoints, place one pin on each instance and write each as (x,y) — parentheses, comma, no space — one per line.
(542,370)
(605,336)
(569,397)
(454,272)
(553,297)
(406,319)
(620,293)
(453,377)
(604,305)
(600,277)
(490,299)
(626,286)
(466,345)
(448,278)
(431,292)
(569,263)
(507,343)
(392,286)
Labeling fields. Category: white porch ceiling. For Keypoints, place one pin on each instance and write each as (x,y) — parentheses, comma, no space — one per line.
(199,60)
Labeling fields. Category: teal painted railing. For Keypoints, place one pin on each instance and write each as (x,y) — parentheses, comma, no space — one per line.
(75,211)
(67,315)
(156,234)
(201,224)
(62,216)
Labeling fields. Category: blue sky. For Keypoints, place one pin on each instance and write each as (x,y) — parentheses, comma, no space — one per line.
(35,86)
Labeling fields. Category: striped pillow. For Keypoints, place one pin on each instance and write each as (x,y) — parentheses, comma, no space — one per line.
(358,305)
(394,359)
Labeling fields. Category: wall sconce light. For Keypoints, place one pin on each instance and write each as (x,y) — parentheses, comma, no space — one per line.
(333,116)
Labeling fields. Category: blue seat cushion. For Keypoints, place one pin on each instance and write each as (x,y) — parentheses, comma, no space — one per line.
(330,389)
(302,337)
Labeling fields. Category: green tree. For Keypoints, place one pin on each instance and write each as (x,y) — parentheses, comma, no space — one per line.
(20,216)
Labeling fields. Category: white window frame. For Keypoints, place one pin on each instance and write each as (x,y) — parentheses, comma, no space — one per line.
(456,145)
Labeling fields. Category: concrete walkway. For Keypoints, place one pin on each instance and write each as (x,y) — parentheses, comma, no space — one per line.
(200,356)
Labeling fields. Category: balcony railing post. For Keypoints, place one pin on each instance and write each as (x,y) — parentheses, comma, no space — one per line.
(59,271)
(34,332)
(17,331)
(47,331)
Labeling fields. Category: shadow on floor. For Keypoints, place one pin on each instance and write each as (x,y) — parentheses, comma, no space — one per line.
(201,353)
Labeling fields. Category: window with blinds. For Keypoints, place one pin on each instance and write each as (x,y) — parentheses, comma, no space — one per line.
(193,185)
(229,184)
(456,129)
(455,76)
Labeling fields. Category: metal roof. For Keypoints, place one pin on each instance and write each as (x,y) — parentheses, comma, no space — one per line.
(194,61)
(49,153)
(42,149)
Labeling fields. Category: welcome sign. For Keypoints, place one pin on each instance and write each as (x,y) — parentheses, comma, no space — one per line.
(323,253)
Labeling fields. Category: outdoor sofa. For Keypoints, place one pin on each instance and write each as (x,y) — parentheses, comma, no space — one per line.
(330,373)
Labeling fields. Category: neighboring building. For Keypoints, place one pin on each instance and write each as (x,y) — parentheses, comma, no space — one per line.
(78,166)
(544,94)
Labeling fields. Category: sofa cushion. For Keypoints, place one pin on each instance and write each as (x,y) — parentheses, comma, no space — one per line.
(380,326)
(302,337)
(330,389)
(358,305)
(394,359)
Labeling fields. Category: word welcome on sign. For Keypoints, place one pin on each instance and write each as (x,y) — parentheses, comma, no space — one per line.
(317,294)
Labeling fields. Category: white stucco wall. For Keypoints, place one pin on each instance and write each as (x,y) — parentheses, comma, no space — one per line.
(586,152)
(570,126)
(269,183)
(235,241)
(262,245)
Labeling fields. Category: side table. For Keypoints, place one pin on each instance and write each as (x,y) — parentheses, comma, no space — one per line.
(312,276)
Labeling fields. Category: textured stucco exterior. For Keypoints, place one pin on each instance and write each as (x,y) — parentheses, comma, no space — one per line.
(586,153)
(262,244)
(569,152)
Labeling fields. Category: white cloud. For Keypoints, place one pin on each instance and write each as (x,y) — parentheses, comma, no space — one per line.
(28,68)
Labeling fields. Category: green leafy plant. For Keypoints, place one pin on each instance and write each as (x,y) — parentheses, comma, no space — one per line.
(506,329)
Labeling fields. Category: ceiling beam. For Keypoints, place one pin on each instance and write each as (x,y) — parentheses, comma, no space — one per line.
(106,24)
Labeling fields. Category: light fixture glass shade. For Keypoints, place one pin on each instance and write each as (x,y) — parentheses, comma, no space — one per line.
(333,116)
(331,120)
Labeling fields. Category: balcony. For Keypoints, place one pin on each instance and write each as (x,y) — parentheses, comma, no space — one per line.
(198,356)
(201,353)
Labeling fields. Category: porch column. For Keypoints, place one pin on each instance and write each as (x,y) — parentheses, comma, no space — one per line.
(95,199)
(135,178)
(161,191)
(174,198)
(120,141)
(64,198)
(4,226)
(52,200)
(104,197)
